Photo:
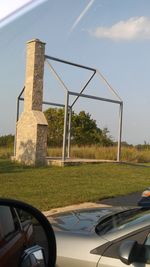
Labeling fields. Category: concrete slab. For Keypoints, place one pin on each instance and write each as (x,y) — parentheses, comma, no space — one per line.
(74,161)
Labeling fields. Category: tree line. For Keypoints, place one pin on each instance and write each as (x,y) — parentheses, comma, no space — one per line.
(84,131)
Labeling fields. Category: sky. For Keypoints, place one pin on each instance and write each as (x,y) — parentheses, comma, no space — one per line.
(112,36)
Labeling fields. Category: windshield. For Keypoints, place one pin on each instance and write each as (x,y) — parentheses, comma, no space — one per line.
(74,92)
(123,220)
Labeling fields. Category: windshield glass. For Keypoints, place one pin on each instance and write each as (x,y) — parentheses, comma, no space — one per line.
(73,76)
(123,220)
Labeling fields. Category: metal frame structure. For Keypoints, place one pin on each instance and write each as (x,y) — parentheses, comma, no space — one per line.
(68,108)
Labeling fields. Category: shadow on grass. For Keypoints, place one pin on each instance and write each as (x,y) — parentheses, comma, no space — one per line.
(7,166)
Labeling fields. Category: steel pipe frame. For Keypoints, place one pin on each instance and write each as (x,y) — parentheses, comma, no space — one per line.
(57,76)
(49,103)
(91,77)
(91,97)
(120,132)
(108,85)
(120,116)
(69,63)
(95,97)
(65,127)
(78,95)
(69,131)
(17,116)
(19,98)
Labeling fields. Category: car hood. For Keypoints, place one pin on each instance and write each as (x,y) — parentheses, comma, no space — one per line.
(80,221)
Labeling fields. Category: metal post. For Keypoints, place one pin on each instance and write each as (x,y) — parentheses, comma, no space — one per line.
(69,132)
(17,118)
(65,127)
(120,132)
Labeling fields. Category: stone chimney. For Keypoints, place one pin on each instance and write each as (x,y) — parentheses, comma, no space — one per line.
(31,129)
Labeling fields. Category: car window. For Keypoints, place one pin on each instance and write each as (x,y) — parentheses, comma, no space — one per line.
(136,219)
(23,216)
(8,222)
(147,242)
(114,221)
(123,220)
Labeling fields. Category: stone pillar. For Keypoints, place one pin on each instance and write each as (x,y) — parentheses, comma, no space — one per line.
(31,133)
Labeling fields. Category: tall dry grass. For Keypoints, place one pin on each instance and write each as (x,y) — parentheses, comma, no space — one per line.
(130,154)
(6,152)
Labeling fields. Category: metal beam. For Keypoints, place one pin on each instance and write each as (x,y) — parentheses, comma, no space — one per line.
(21,92)
(18,106)
(108,85)
(50,103)
(57,76)
(69,63)
(83,89)
(95,97)
(53,104)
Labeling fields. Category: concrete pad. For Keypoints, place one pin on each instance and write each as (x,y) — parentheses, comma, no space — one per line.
(74,161)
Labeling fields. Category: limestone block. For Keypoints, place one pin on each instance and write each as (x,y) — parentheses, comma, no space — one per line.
(31,138)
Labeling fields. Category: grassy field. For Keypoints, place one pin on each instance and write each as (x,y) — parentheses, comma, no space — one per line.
(51,187)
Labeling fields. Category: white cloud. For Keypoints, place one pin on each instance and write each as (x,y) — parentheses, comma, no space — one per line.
(131,29)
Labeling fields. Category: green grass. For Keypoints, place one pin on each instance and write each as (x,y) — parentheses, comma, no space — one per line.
(51,187)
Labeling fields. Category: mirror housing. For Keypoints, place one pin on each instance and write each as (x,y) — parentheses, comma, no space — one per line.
(38,220)
(127,251)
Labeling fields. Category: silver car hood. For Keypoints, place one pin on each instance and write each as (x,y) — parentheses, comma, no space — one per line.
(82,222)
(76,236)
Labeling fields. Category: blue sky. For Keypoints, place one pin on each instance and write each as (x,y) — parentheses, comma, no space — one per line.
(110,35)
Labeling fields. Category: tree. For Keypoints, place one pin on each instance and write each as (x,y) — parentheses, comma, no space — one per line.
(6,140)
(55,119)
(84,130)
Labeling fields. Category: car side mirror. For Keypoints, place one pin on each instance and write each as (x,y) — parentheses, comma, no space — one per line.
(29,235)
(127,251)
